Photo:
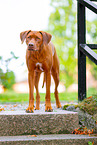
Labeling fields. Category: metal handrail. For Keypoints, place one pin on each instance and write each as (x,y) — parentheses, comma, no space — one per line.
(83,48)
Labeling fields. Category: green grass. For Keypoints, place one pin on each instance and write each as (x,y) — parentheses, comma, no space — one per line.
(91,92)
(11,96)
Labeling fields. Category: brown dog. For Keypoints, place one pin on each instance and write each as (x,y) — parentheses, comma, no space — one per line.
(41,57)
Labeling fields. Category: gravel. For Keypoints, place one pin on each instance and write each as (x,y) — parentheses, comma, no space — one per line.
(22,107)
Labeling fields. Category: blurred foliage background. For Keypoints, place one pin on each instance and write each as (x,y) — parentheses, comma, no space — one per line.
(62,25)
(7,76)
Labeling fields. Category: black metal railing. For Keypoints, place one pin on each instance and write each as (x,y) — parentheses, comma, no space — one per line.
(83,48)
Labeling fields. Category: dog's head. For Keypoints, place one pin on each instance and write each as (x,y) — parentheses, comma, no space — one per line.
(35,39)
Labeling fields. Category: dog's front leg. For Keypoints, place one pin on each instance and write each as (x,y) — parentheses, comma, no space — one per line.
(30,109)
(48,107)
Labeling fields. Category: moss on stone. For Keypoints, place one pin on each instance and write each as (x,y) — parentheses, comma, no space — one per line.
(89,105)
(65,106)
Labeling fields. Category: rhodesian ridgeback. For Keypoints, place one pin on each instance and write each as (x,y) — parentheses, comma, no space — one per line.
(41,57)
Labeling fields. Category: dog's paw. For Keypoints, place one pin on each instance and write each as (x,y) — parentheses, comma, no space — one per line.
(48,109)
(30,110)
(58,105)
(37,108)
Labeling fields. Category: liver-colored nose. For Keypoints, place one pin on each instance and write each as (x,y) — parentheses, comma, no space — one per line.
(31,44)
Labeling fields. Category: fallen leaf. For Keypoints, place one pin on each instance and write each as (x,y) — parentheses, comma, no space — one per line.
(92,142)
(82,130)
(89,97)
(32,135)
(1,109)
(15,105)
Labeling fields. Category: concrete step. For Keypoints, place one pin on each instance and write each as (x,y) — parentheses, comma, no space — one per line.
(55,139)
(40,122)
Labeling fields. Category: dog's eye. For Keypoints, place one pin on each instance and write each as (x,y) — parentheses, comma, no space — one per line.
(37,38)
(29,37)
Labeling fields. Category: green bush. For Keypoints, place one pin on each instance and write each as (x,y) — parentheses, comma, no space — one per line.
(7,79)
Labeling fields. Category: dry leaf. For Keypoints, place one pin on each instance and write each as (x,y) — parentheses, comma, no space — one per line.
(89,97)
(32,135)
(15,105)
(1,109)
(82,130)
(92,142)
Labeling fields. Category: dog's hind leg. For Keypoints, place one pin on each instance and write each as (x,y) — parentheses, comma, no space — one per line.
(37,77)
(56,80)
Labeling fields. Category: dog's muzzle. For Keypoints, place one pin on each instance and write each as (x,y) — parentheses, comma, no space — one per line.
(31,44)
(31,47)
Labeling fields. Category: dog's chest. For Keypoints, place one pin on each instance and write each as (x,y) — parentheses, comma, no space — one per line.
(39,67)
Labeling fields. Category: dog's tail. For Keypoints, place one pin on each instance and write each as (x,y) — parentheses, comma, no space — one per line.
(44,79)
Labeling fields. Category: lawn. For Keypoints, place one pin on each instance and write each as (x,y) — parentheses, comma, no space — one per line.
(11,96)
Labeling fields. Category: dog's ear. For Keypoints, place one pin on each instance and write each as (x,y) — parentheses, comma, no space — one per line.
(46,37)
(23,35)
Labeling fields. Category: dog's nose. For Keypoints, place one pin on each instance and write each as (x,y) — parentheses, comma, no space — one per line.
(31,44)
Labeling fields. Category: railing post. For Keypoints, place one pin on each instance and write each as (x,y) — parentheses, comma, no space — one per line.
(81,25)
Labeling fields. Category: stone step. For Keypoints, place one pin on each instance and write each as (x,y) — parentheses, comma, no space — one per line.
(55,139)
(40,122)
